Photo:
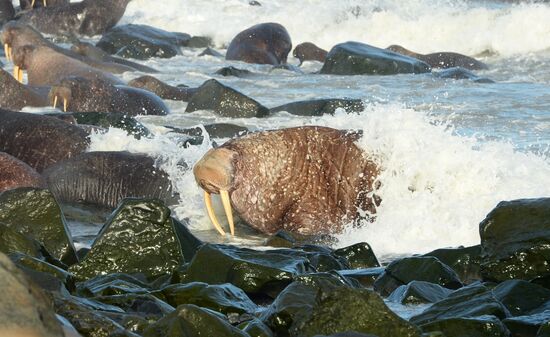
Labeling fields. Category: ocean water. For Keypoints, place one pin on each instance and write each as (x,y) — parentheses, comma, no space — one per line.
(450,150)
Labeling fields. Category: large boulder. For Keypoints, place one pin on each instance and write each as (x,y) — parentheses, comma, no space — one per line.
(319,107)
(515,240)
(463,260)
(358,256)
(225,101)
(521,297)
(112,119)
(528,325)
(139,237)
(47,276)
(482,326)
(419,292)
(354,58)
(35,212)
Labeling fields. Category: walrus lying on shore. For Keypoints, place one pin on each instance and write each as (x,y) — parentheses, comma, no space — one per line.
(309,180)
(15,96)
(442,59)
(14,174)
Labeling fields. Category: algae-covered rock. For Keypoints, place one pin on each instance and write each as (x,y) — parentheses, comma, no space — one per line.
(255,272)
(416,268)
(464,261)
(45,275)
(358,256)
(528,325)
(139,237)
(354,58)
(225,101)
(192,321)
(321,305)
(12,241)
(544,330)
(321,258)
(365,277)
(35,212)
(116,120)
(144,305)
(319,107)
(482,326)
(256,328)
(112,284)
(223,298)
(417,292)
(469,301)
(515,239)
(521,297)
(24,306)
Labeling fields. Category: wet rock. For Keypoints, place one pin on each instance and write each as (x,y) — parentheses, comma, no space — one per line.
(254,3)
(116,120)
(224,298)
(321,258)
(464,261)
(24,306)
(232,71)
(527,326)
(217,130)
(514,240)
(142,42)
(417,292)
(354,58)
(544,330)
(358,256)
(482,326)
(471,301)
(256,328)
(211,52)
(45,275)
(416,268)
(459,73)
(12,241)
(163,90)
(139,237)
(321,305)
(366,277)
(192,321)
(35,212)
(521,297)
(347,334)
(319,107)
(225,101)
(255,272)
(143,305)
(112,284)
(281,239)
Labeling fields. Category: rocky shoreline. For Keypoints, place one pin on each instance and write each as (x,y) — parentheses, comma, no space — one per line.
(147,275)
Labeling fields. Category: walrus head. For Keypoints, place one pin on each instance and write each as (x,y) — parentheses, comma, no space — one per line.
(73,86)
(15,35)
(401,50)
(21,59)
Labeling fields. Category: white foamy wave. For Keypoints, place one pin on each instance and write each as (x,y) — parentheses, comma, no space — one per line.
(421,25)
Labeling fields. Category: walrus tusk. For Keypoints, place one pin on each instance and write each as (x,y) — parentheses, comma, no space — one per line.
(211,215)
(7,51)
(228,212)
(65,103)
(18,73)
(55,101)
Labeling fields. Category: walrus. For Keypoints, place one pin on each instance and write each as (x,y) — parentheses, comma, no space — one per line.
(264,43)
(14,174)
(163,90)
(15,96)
(80,94)
(15,35)
(105,178)
(39,141)
(309,180)
(46,67)
(88,17)
(30,4)
(442,59)
(307,51)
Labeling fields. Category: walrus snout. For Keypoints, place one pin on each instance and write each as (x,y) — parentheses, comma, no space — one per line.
(60,92)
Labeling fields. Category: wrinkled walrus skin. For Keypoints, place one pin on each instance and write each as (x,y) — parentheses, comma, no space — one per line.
(309,180)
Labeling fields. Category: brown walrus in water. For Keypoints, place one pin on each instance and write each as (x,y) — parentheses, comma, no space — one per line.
(308,180)
(162,89)
(264,43)
(88,17)
(46,67)
(307,51)
(15,96)
(14,174)
(30,4)
(95,95)
(442,59)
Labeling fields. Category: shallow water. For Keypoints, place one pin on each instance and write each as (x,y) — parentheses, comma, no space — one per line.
(450,149)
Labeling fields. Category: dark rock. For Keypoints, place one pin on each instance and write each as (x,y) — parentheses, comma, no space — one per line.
(471,301)
(225,101)
(463,260)
(35,212)
(543,281)
(514,240)
(527,326)
(163,90)
(482,326)
(320,258)
(256,328)
(416,268)
(544,330)
(200,42)
(366,277)
(192,321)
(521,297)
(112,284)
(282,239)
(139,237)
(144,305)
(254,3)
(319,107)
(45,275)
(224,298)
(216,130)
(11,241)
(419,292)
(24,306)
(115,120)
(358,256)
(142,42)
(323,305)
(255,272)
(211,52)
(354,58)
(347,334)
(232,71)
(459,73)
